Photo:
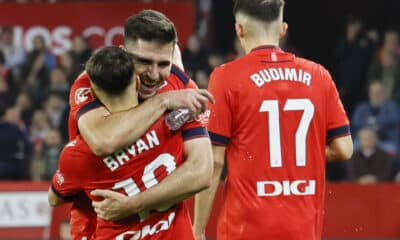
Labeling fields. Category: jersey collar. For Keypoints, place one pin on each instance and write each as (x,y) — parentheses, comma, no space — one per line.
(264,47)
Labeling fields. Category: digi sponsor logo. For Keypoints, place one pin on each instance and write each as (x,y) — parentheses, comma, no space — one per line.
(148,230)
(285,188)
(82,95)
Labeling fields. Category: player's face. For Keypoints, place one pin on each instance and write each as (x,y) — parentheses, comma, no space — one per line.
(152,64)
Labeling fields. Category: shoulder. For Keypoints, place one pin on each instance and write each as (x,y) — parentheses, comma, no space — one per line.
(179,75)
(80,89)
(76,150)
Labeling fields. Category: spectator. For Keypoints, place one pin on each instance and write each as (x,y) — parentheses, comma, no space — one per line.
(45,161)
(353,55)
(369,164)
(54,106)
(35,76)
(80,50)
(379,114)
(40,127)
(194,55)
(71,66)
(14,55)
(24,103)
(201,78)
(15,150)
(58,82)
(6,96)
(387,66)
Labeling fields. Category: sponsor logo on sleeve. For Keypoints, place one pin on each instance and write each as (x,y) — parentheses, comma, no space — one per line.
(82,95)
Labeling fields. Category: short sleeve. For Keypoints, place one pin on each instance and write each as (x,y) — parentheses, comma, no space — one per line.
(68,181)
(337,120)
(220,119)
(196,128)
(81,100)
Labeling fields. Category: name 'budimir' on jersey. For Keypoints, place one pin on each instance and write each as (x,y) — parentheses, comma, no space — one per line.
(149,141)
(273,74)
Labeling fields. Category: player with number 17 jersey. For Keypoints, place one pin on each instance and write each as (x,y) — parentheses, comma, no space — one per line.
(130,171)
(275,113)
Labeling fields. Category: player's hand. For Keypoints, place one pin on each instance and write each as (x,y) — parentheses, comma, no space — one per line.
(113,207)
(194,99)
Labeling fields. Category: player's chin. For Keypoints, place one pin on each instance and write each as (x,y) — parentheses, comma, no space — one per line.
(146,94)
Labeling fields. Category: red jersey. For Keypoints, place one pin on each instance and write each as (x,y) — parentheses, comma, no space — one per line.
(275,113)
(81,100)
(132,170)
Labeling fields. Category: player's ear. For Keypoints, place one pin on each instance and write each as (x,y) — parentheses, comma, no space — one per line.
(239,30)
(137,79)
(284,29)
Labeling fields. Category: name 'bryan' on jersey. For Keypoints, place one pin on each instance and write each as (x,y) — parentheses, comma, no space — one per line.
(149,141)
(272,74)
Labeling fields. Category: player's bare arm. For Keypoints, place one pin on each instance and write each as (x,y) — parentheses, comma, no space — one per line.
(191,177)
(53,199)
(105,133)
(204,200)
(340,148)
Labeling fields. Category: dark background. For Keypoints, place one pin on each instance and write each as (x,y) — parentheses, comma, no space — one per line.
(314,25)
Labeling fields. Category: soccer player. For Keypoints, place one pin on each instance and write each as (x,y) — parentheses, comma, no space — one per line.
(277,118)
(152,37)
(144,164)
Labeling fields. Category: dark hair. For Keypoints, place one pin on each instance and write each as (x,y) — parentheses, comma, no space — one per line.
(150,25)
(110,69)
(263,10)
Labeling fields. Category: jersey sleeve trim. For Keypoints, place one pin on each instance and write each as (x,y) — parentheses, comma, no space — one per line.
(92,105)
(337,132)
(194,133)
(218,139)
(180,74)
(65,198)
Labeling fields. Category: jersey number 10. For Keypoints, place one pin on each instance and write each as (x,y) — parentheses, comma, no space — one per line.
(272,107)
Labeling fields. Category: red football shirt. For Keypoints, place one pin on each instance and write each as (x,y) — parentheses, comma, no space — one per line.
(81,100)
(132,170)
(275,113)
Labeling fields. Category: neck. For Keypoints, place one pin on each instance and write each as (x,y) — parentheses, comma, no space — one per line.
(128,99)
(251,43)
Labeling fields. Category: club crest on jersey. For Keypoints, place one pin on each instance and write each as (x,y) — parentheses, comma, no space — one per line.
(82,94)
(60,178)
(204,117)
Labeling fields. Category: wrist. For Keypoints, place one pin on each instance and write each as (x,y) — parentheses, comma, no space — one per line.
(163,101)
(134,205)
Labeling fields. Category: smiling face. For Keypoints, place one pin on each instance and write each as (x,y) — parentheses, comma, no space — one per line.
(152,64)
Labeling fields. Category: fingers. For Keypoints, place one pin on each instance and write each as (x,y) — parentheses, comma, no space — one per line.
(207,94)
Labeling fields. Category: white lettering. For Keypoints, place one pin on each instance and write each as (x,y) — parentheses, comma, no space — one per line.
(108,39)
(286,188)
(148,230)
(61,36)
(110,163)
(257,79)
(121,157)
(292,74)
(307,78)
(152,139)
(141,145)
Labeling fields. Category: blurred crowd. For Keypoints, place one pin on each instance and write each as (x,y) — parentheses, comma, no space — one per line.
(34,87)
